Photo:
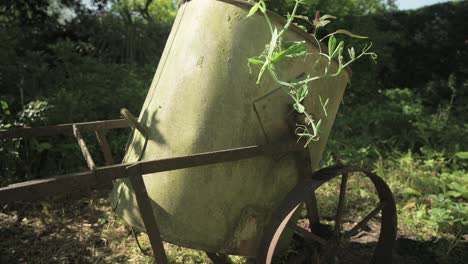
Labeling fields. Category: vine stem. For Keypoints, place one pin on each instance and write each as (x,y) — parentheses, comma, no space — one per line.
(274,51)
(290,20)
(264,12)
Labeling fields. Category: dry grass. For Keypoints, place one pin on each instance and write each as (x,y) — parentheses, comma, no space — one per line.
(86,231)
(75,231)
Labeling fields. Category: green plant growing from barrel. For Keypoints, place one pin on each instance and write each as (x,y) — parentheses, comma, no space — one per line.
(278,50)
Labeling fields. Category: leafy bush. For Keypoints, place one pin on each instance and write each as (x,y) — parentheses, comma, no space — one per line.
(432,188)
(75,88)
(398,120)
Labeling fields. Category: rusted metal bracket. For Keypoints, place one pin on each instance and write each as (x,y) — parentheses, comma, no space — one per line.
(84,149)
(133,122)
(311,200)
(134,173)
(104,144)
(65,129)
(99,177)
(74,129)
(103,176)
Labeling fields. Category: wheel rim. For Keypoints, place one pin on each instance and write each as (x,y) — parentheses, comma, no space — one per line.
(301,193)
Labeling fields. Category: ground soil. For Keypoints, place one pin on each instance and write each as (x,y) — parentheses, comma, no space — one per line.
(69,230)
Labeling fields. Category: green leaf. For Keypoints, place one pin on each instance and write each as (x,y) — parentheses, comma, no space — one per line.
(304,91)
(296,50)
(325,17)
(301,93)
(255,61)
(346,32)
(253,10)
(338,51)
(457,188)
(317,126)
(352,53)
(263,9)
(453,194)
(321,23)
(331,45)
(274,39)
(464,195)
(301,27)
(299,107)
(303,18)
(363,193)
(262,71)
(462,155)
(5,107)
(411,192)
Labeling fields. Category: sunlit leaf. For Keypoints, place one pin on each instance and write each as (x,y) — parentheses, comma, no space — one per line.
(462,155)
(453,194)
(5,107)
(325,17)
(352,53)
(303,18)
(411,192)
(363,193)
(296,50)
(255,61)
(302,93)
(263,5)
(331,45)
(321,23)
(301,27)
(409,205)
(253,10)
(346,32)
(338,51)
(274,39)
(299,108)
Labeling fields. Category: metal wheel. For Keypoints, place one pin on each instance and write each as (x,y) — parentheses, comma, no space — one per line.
(319,242)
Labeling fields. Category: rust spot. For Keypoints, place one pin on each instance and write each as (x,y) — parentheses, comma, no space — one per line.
(244,247)
(247,235)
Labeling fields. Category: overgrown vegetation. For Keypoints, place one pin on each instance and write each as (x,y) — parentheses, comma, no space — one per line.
(279,49)
(404,117)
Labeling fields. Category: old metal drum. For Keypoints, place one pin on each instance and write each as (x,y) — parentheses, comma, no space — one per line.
(203,98)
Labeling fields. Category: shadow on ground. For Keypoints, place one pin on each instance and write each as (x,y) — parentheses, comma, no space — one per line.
(86,231)
(59,231)
(410,251)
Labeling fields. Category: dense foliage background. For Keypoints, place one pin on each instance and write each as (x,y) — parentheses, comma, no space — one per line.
(65,61)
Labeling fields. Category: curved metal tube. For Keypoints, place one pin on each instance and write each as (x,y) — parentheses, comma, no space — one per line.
(279,220)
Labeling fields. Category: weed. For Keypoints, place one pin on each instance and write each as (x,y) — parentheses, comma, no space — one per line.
(278,49)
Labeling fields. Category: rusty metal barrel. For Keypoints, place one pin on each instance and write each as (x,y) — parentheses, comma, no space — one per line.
(204,98)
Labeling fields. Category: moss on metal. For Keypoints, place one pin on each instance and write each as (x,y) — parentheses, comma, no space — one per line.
(202,98)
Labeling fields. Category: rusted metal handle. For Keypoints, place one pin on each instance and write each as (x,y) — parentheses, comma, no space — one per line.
(133,121)
(84,149)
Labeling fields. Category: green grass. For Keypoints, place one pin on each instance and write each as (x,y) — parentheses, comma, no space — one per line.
(86,231)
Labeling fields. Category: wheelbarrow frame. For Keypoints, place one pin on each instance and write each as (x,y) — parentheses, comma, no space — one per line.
(102,177)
